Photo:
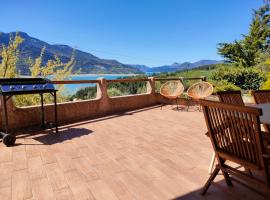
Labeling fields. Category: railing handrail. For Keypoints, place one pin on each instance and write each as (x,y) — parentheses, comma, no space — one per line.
(167,79)
(75,81)
(203,78)
(125,80)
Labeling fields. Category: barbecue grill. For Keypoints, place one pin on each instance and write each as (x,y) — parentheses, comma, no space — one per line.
(19,86)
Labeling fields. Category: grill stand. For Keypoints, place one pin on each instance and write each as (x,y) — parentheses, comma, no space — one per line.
(6,97)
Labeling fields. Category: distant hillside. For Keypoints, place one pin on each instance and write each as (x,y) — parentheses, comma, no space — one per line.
(142,68)
(176,66)
(85,62)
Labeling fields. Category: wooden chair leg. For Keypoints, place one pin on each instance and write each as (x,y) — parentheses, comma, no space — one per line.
(211,166)
(247,170)
(210,180)
(227,178)
(225,174)
(200,108)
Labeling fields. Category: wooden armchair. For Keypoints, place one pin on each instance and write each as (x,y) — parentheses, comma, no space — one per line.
(236,136)
(232,97)
(260,97)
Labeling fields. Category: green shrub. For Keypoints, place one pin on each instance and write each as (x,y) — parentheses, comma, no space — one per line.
(112,92)
(85,93)
(128,88)
(266,84)
(223,85)
(244,78)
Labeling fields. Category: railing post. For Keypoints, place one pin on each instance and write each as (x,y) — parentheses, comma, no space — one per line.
(102,89)
(102,94)
(150,87)
(182,79)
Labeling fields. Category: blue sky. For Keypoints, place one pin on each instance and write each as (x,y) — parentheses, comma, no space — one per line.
(151,32)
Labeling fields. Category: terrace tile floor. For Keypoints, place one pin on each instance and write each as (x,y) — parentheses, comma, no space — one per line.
(144,154)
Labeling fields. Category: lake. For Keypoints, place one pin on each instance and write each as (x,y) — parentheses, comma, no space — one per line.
(72,88)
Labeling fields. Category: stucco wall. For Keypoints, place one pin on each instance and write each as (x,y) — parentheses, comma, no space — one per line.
(86,109)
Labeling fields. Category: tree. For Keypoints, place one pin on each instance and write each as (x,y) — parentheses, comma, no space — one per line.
(246,51)
(9,57)
(54,68)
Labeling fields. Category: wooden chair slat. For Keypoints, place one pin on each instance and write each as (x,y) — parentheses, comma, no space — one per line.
(236,136)
(232,97)
(260,97)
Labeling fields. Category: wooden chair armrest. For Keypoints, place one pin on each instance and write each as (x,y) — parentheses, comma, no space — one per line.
(265,135)
(267,156)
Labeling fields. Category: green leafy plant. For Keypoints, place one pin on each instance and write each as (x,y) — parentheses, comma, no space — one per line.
(245,52)
(55,69)
(9,55)
(112,92)
(244,78)
(85,93)
(223,85)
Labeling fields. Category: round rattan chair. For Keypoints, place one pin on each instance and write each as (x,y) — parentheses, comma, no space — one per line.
(200,90)
(172,90)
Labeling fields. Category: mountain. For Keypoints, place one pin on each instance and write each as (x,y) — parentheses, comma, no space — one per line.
(178,67)
(142,68)
(86,63)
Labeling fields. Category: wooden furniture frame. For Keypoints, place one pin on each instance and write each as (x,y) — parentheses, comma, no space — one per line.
(232,97)
(260,97)
(236,136)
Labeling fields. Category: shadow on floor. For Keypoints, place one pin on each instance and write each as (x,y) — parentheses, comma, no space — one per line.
(118,114)
(187,108)
(61,136)
(68,131)
(220,190)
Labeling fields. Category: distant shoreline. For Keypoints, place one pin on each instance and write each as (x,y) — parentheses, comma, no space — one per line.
(78,75)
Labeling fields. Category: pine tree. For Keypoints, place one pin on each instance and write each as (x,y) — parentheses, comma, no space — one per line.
(246,51)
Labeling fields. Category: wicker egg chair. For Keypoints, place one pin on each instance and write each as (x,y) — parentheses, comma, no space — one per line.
(200,90)
(172,90)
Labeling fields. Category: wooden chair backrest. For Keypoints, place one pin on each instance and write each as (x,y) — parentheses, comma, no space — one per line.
(235,132)
(232,97)
(261,96)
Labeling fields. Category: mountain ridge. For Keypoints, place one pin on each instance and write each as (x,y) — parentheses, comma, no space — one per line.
(176,66)
(86,63)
